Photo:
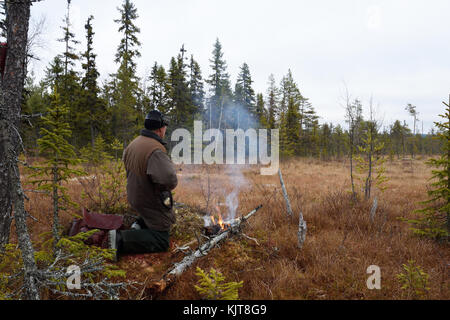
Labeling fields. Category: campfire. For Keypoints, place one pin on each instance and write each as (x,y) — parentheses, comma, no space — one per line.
(216,224)
(216,227)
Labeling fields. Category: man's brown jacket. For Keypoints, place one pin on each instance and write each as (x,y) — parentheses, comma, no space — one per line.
(151,175)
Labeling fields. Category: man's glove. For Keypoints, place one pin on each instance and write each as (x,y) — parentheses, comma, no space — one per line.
(167,200)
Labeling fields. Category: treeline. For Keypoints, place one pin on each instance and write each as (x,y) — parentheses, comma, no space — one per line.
(115,110)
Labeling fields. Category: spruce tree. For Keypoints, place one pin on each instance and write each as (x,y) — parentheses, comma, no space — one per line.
(245,98)
(70,90)
(69,55)
(94,108)
(308,118)
(183,110)
(288,90)
(237,113)
(33,105)
(54,74)
(397,133)
(325,141)
(272,101)
(127,119)
(159,89)
(126,115)
(290,101)
(60,156)
(435,216)
(261,112)
(128,51)
(196,85)
(289,140)
(220,90)
(339,140)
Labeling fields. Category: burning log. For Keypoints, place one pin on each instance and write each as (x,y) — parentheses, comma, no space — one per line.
(212,230)
(203,250)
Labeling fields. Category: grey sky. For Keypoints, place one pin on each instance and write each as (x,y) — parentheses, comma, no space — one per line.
(396,50)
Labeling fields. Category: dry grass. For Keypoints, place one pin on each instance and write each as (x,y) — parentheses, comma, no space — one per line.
(341,241)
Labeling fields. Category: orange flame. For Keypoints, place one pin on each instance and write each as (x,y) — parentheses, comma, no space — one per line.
(221,222)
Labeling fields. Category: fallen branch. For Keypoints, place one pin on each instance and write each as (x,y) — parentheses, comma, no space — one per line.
(203,250)
(250,238)
(185,246)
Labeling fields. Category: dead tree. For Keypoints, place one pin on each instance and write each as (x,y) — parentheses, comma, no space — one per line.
(301,234)
(11,192)
(373,210)
(285,195)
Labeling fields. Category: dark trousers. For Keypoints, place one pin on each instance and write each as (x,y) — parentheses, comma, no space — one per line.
(143,241)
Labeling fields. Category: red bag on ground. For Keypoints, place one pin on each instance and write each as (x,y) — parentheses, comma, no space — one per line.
(92,220)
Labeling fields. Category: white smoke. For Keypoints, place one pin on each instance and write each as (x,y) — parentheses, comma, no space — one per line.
(232,202)
(238,182)
(207,220)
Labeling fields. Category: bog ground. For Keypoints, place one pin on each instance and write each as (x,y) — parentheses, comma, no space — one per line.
(341,242)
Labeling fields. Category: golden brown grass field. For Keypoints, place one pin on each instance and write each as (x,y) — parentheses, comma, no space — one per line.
(341,240)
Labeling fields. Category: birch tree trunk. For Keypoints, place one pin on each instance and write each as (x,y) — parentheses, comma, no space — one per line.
(11,192)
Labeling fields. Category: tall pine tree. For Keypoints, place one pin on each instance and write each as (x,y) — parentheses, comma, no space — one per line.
(245,99)
(159,89)
(127,118)
(272,103)
(60,155)
(289,115)
(70,82)
(196,86)
(261,112)
(183,110)
(220,90)
(94,108)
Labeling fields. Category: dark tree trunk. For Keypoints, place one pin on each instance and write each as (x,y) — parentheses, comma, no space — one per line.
(5,195)
(11,193)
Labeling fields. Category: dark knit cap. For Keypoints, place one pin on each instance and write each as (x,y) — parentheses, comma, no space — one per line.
(155,120)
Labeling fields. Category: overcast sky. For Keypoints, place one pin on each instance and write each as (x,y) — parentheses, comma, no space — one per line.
(396,50)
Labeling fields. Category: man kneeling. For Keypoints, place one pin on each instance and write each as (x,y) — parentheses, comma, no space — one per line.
(151,176)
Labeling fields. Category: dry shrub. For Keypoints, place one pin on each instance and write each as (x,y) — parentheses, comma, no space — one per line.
(105,188)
